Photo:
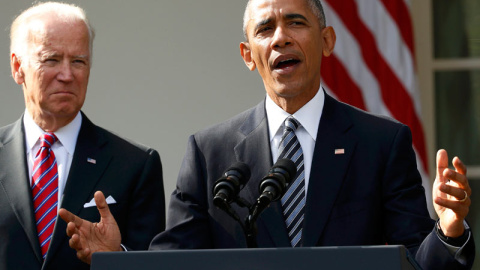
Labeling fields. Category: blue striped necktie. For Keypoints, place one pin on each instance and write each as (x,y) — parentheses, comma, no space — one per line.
(293,202)
(45,190)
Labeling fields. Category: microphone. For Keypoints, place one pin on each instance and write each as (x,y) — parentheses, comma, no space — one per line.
(273,185)
(226,188)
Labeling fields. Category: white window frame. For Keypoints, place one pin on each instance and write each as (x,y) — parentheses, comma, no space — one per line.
(427,65)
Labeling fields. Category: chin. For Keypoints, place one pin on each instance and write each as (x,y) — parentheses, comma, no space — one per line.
(286,92)
(66,112)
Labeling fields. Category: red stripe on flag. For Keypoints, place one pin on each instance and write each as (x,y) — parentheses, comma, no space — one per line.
(394,94)
(336,77)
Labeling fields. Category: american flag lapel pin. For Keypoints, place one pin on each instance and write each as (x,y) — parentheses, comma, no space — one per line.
(91,160)
(339,151)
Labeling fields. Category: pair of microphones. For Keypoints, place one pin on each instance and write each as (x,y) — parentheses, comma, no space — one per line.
(271,188)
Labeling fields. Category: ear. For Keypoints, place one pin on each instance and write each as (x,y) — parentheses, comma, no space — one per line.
(329,39)
(247,55)
(16,67)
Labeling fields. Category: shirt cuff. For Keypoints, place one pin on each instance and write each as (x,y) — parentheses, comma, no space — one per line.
(455,245)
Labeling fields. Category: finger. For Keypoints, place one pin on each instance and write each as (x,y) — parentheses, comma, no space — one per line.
(459,166)
(84,255)
(461,175)
(458,180)
(459,208)
(456,192)
(102,205)
(442,164)
(71,229)
(74,242)
(67,216)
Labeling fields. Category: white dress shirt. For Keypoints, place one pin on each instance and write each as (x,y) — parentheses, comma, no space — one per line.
(308,116)
(63,149)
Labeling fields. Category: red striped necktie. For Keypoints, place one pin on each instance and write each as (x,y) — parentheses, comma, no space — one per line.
(45,190)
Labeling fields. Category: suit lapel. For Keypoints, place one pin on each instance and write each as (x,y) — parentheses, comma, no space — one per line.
(15,181)
(82,178)
(333,149)
(255,151)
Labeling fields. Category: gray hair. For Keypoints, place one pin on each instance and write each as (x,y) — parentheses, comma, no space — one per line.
(20,31)
(315,6)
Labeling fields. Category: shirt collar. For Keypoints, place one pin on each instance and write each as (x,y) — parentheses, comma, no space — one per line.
(309,115)
(67,135)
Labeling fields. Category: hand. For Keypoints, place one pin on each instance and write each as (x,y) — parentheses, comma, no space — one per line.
(87,237)
(451,195)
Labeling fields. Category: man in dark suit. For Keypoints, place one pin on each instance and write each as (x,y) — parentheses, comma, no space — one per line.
(357,175)
(51,47)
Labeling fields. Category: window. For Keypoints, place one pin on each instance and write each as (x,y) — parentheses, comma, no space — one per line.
(456,69)
(456,28)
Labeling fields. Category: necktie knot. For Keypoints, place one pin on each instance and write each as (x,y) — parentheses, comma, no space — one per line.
(48,139)
(291,124)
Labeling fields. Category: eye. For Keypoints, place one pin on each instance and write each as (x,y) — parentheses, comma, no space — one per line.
(80,62)
(297,23)
(264,29)
(50,60)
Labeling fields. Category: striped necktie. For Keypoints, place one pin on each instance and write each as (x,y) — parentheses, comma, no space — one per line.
(45,190)
(293,201)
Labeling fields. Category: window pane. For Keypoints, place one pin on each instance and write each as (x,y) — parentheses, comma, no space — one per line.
(458,114)
(456,28)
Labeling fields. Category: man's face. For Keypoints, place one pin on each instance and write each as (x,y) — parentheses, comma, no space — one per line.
(55,70)
(286,43)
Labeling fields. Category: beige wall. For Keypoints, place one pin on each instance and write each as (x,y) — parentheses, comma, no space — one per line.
(161,71)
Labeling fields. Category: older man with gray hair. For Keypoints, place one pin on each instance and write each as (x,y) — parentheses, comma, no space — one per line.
(54,156)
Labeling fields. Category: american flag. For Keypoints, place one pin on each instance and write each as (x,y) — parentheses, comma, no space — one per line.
(373,65)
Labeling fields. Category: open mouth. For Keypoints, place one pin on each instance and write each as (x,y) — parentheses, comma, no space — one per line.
(286,63)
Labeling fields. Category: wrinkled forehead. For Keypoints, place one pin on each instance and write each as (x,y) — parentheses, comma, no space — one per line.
(57,29)
(51,35)
(260,11)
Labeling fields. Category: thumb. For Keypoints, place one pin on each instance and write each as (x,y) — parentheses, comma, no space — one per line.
(102,206)
(442,164)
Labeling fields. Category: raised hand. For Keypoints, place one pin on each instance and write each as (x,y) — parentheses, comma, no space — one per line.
(87,237)
(451,195)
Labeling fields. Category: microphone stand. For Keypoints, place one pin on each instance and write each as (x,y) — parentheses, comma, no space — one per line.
(271,186)
(249,226)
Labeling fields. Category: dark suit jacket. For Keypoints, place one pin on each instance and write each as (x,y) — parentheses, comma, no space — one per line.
(370,195)
(130,173)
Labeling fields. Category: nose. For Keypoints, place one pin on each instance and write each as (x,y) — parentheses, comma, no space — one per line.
(281,38)
(65,73)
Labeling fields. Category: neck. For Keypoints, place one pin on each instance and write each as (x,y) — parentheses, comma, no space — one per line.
(50,123)
(292,104)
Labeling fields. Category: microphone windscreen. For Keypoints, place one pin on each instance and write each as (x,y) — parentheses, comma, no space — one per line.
(240,168)
(287,165)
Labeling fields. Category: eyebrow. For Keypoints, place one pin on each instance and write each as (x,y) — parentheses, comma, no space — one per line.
(262,23)
(55,54)
(81,56)
(295,16)
(289,16)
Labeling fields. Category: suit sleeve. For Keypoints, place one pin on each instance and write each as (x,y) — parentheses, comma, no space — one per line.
(407,220)
(146,215)
(188,218)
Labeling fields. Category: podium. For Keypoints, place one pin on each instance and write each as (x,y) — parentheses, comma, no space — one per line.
(338,258)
